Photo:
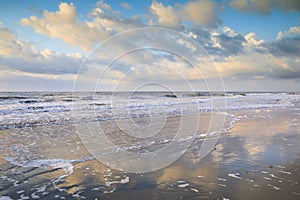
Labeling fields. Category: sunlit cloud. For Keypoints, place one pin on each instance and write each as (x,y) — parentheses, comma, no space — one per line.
(236,56)
(198,12)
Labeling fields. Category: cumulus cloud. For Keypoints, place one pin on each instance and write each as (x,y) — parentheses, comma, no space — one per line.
(286,47)
(264,6)
(18,55)
(234,54)
(232,51)
(7,42)
(166,15)
(291,33)
(257,66)
(248,57)
(198,12)
(277,60)
(102,5)
(251,39)
(64,24)
(223,42)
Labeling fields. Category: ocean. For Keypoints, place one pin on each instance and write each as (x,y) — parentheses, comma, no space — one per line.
(152,145)
(26,109)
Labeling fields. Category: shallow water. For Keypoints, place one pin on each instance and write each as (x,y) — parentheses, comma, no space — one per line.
(256,157)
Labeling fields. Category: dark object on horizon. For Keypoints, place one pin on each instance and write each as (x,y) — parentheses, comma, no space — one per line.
(171,95)
(28,101)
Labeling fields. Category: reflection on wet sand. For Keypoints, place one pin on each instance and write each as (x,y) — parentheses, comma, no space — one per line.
(256,159)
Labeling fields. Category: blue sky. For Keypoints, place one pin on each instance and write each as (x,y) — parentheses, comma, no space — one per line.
(266,26)
(35,42)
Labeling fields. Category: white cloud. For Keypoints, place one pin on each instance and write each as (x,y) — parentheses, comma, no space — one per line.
(11,46)
(233,52)
(192,35)
(292,32)
(235,55)
(187,44)
(254,64)
(228,31)
(102,5)
(64,24)
(18,55)
(7,42)
(198,12)
(166,15)
(251,39)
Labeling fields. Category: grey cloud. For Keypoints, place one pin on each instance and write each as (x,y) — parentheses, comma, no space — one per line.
(197,12)
(264,6)
(19,55)
(285,47)
(55,65)
(229,44)
(287,74)
(219,44)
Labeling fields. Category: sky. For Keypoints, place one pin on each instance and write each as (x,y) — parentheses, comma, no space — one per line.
(231,45)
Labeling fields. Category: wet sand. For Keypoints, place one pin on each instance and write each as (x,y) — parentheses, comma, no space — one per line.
(258,158)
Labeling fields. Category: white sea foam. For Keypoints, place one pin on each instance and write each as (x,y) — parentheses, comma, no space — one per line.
(66,165)
(47,164)
(5,198)
(122,181)
(285,172)
(33,109)
(195,190)
(235,176)
(180,181)
(183,185)
(274,187)
(267,178)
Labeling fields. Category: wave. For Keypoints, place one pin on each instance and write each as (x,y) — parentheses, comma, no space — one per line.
(11,97)
(46,109)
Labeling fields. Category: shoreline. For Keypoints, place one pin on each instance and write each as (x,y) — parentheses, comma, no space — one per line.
(258,157)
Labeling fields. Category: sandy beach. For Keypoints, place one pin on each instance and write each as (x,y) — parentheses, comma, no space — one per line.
(258,158)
